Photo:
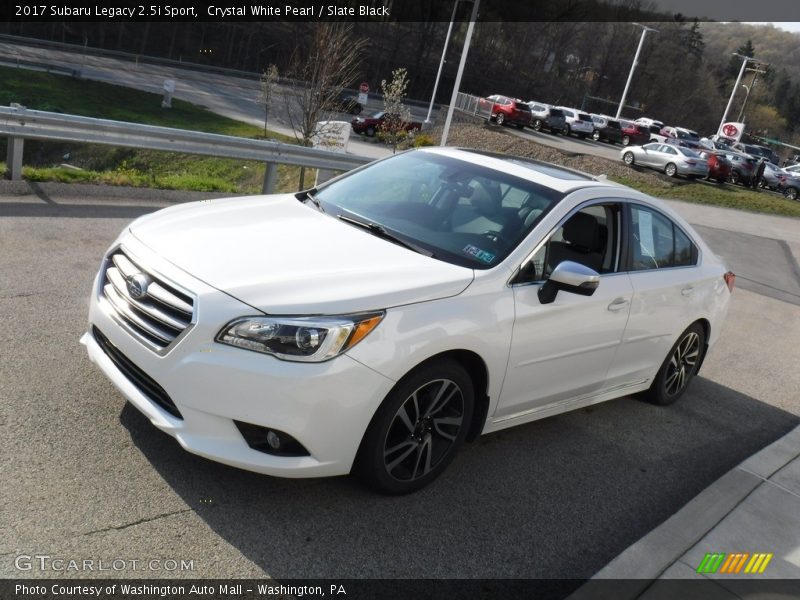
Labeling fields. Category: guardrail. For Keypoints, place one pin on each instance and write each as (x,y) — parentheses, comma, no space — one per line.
(19,124)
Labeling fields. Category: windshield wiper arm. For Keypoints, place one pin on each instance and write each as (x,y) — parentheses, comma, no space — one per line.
(379,231)
(310,196)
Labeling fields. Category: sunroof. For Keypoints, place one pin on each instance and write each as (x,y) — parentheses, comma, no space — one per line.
(544,168)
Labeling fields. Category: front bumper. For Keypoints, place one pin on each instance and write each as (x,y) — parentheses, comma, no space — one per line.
(326,406)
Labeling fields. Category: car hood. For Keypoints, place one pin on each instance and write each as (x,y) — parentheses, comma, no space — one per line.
(284,257)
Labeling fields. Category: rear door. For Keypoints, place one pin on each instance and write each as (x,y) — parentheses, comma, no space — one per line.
(669,291)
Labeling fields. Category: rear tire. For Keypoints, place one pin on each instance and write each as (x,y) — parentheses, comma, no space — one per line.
(628,158)
(677,370)
(567,130)
(626,140)
(596,135)
(500,118)
(418,429)
(790,193)
(370,131)
(735,177)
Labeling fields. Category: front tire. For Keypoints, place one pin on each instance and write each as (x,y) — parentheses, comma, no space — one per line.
(735,177)
(790,193)
(678,368)
(370,131)
(626,140)
(537,125)
(418,429)
(670,170)
(596,135)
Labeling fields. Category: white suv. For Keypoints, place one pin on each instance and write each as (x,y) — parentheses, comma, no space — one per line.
(577,122)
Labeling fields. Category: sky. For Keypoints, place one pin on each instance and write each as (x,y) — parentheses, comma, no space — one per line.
(795,27)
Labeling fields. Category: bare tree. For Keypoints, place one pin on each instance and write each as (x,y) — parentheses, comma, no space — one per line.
(321,71)
(268,81)
(397,115)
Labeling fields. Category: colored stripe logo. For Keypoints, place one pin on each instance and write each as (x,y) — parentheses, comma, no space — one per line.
(734,563)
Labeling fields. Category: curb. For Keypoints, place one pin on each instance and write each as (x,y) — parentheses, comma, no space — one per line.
(646,559)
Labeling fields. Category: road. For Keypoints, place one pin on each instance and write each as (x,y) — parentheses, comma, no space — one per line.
(232,97)
(87,477)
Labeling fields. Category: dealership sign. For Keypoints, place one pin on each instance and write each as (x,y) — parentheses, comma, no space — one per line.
(731,131)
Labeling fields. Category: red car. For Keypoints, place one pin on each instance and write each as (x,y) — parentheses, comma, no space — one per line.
(369,125)
(503,109)
(634,134)
(719,168)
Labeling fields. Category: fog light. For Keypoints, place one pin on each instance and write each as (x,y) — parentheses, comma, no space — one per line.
(273,440)
(270,441)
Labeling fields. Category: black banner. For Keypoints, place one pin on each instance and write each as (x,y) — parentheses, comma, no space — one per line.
(125,11)
(413,589)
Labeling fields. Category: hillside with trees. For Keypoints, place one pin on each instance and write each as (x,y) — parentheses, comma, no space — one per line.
(684,77)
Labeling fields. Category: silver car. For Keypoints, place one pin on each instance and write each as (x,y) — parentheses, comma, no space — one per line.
(672,159)
(772,176)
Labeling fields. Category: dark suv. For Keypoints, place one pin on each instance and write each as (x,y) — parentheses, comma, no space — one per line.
(502,110)
(544,116)
(606,129)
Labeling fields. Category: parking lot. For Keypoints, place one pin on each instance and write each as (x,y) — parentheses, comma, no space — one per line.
(87,477)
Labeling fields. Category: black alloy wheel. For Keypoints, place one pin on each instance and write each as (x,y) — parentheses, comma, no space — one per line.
(678,368)
(418,429)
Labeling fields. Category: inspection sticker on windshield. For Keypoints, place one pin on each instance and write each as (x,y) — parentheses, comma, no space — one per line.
(481,255)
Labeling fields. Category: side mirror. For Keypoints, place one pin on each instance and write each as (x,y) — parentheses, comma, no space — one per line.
(570,277)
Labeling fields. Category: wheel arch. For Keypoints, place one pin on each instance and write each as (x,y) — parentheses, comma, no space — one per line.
(706,325)
(478,371)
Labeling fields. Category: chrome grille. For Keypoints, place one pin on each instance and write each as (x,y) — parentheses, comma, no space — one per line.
(158,316)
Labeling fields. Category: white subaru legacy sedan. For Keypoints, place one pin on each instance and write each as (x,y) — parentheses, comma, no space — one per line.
(374,324)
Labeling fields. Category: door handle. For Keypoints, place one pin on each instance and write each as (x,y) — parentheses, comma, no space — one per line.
(688,290)
(618,304)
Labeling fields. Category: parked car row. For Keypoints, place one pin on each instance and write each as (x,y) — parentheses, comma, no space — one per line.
(650,143)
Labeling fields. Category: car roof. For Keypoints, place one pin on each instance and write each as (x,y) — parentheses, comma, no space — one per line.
(550,175)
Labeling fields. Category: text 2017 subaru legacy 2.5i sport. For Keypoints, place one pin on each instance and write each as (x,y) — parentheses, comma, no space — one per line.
(374,324)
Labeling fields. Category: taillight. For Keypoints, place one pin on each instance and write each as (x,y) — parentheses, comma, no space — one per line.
(730,280)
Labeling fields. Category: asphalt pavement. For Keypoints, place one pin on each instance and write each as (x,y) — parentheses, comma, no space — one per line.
(89,477)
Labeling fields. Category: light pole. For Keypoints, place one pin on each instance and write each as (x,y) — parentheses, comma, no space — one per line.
(461,64)
(441,62)
(745,60)
(749,89)
(645,29)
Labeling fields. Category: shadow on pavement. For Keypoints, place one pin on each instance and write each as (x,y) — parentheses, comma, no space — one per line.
(558,498)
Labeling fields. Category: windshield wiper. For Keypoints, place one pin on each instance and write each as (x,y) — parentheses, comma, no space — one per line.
(380,232)
(310,196)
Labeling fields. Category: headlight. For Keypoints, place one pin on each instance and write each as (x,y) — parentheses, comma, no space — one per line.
(306,339)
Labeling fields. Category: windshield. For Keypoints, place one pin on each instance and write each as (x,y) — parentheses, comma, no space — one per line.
(463,213)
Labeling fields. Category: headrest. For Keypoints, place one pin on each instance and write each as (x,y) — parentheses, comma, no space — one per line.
(582,231)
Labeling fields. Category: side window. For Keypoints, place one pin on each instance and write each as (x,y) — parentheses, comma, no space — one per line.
(588,237)
(657,243)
